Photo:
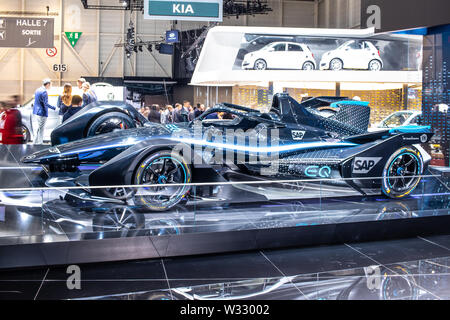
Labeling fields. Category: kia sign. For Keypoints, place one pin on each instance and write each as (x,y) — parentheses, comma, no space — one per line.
(197,10)
(396,15)
(19,32)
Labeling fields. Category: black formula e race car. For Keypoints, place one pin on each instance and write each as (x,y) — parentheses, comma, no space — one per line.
(322,140)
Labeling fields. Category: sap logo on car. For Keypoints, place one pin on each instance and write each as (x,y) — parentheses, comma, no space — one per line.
(318,172)
(298,134)
(364,165)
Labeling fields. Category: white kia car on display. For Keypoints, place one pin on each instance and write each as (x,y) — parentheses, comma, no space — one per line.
(353,54)
(397,119)
(280,55)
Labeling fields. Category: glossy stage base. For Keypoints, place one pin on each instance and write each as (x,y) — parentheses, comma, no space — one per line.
(44,228)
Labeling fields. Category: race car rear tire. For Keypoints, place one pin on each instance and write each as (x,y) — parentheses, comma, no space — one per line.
(162,168)
(401,174)
(109,122)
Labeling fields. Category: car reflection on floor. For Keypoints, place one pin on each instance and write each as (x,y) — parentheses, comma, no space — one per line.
(74,220)
(414,280)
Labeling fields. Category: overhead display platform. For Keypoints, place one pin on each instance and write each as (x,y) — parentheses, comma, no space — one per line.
(257,56)
(309,79)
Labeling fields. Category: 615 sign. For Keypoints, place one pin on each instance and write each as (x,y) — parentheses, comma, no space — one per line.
(60,67)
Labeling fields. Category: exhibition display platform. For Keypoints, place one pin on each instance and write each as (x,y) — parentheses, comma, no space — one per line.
(42,225)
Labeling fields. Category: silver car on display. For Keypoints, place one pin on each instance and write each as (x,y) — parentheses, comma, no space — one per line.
(280,55)
(353,54)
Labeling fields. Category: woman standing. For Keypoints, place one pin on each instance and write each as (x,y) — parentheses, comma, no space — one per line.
(88,95)
(64,101)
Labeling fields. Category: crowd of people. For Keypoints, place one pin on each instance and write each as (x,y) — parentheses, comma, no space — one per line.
(67,104)
(179,113)
(172,114)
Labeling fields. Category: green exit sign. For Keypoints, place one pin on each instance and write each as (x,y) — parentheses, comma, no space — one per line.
(198,10)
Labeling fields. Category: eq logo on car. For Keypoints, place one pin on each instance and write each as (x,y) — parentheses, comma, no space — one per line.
(364,165)
(316,172)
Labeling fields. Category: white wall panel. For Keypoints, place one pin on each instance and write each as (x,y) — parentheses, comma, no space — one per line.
(102,29)
(354,13)
(10,5)
(77,18)
(298,14)
(148,66)
(9,87)
(342,13)
(30,87)
(37,65)
(333,5)
(111,22)
(189,25)
(232,21)
(323,19)
(272,19)
(9,65)
(107,49)
(152,30)
(38,5)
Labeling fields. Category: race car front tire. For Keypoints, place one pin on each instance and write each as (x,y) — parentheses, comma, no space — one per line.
(162,168)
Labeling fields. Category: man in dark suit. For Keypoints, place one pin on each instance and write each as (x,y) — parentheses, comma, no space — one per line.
(180,114)
(40,109)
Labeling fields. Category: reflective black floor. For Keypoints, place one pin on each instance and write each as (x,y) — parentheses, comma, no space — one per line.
(411,269)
